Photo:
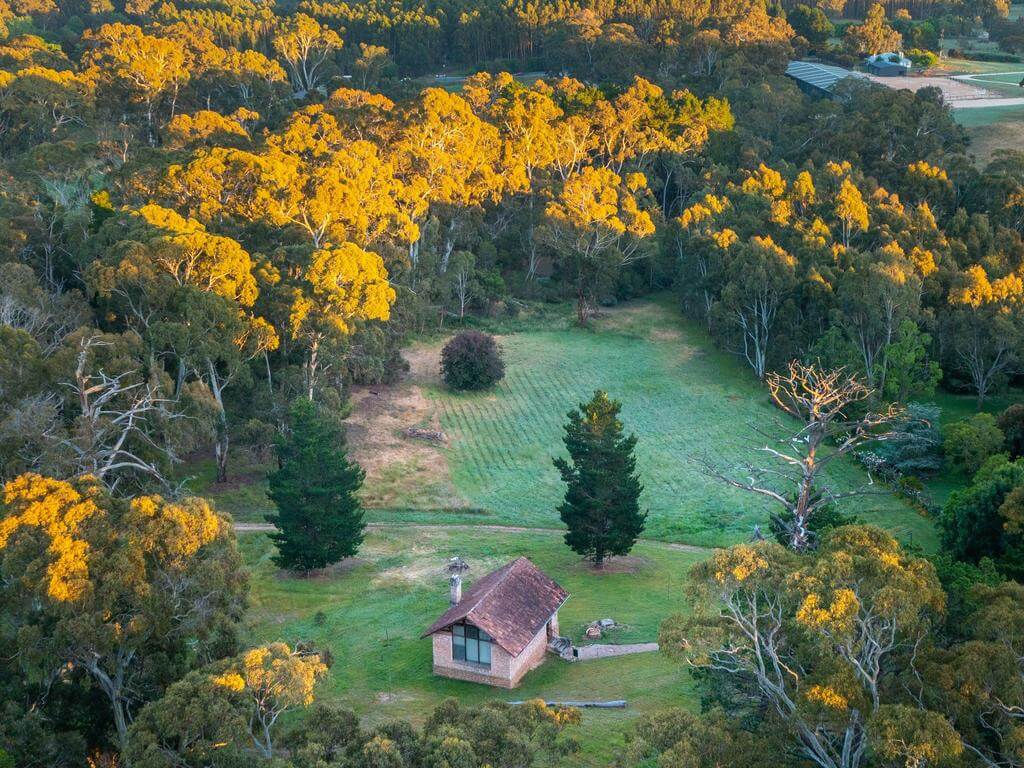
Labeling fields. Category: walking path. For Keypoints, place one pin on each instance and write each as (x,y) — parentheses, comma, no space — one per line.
(601,651)
(267,527)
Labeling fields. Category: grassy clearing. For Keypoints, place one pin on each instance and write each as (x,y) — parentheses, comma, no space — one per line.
(681,397)
(957,66)
(991,129)
(375,608)
(990,116)
(244,496)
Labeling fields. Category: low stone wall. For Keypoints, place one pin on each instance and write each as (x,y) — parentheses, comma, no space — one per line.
(597,651)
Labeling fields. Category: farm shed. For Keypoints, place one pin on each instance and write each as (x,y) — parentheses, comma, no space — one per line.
(888,64)
(817,79)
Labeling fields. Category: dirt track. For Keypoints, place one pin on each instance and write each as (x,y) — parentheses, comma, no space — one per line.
(267,527)
(959,91)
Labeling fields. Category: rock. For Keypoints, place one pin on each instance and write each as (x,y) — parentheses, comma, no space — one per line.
(593,632)
(606,623)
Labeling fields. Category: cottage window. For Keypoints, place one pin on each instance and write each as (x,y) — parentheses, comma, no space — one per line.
(471,644)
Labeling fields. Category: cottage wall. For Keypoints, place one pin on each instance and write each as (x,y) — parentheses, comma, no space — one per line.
(532,655)
(505,671)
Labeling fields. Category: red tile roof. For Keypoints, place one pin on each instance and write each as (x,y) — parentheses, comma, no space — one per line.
(510,604)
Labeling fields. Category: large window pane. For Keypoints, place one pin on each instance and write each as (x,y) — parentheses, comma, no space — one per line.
(458,643)
(471,644)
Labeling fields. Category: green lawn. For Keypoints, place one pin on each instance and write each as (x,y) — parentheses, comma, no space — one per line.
(681,396)
(684,399)
(374,611)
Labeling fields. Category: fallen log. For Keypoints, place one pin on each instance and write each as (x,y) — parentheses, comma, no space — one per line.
(614,704)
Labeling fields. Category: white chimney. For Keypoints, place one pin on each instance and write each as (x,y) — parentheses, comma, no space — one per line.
(456,567)
(455,585)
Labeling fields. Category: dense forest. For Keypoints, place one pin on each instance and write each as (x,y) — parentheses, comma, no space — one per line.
(212,210)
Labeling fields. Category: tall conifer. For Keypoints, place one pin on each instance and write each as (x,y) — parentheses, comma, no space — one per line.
(319,520)
(601,507)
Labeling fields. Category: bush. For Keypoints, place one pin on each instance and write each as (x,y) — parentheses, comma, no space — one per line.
(984,519)
(970,442)
(472,360)
(1011,422)
(915,448)
(922,59)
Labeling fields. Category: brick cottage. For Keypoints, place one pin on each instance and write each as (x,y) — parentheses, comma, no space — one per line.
(500,630)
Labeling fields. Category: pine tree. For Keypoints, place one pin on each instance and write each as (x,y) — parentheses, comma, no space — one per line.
(319,518)
(601,507)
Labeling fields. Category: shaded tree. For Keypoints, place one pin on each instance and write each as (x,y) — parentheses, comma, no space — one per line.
(1011,423)
(601,507)
(319,518)
(130,593)
(986,519)
(821,638)
(970,442)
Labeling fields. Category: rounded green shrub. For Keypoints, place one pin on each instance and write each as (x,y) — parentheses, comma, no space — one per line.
(970,442)
(471,361)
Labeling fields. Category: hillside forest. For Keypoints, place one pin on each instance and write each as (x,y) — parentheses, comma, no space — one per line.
(218,217)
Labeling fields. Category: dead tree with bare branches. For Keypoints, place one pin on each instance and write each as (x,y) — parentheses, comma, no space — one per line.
(829,406)
(114,434)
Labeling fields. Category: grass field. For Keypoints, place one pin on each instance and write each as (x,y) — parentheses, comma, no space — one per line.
(684,399)
(991,129)
(374,609)
(681,397)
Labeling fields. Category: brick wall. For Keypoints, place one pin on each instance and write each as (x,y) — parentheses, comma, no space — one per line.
(505,671)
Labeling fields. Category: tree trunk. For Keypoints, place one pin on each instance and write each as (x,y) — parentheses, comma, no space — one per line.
(449,246)
(312,364)
(221,443)
(114,688)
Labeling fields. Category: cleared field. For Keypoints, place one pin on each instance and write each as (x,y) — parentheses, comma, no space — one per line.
(990,116)
(370,612)
(683,399)
(991,129)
